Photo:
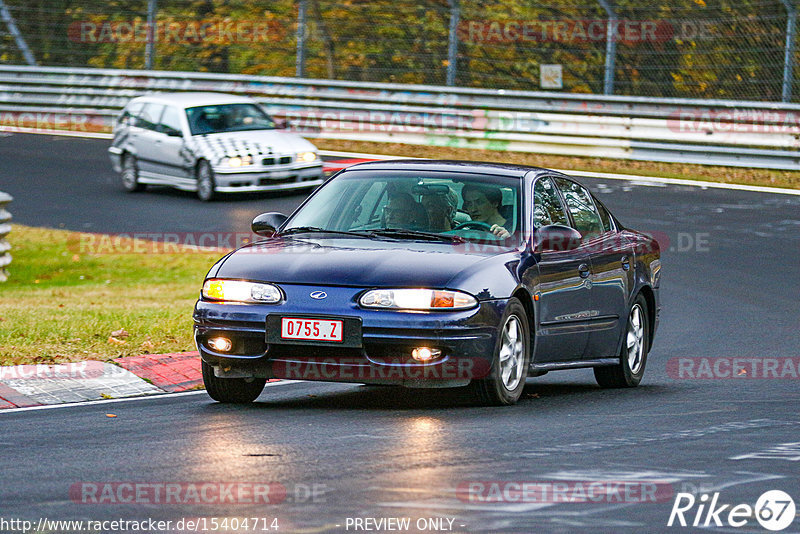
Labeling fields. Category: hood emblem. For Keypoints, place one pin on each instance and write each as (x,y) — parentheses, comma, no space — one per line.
(318,295)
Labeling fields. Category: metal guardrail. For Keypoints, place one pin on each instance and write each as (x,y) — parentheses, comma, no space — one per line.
(734,133)
(5,228)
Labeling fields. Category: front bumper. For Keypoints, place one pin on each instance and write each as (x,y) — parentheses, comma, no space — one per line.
(467,340)
(271,178)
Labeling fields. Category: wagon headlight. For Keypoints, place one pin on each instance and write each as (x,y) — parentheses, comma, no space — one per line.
(306,157)
(417,299)
(238,161)
(240,291)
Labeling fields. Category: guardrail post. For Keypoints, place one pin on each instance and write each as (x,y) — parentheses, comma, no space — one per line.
(300,62)
(6,17)
(611,48)
(5,228)
(452,45)
(788,53)
(150,46)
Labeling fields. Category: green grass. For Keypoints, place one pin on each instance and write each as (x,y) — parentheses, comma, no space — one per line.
(62,304)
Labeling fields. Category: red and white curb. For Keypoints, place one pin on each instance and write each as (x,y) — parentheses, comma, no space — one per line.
(24,386)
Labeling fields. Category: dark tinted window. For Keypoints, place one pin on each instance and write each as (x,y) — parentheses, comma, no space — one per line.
(170,123)
(581,207)
(547,208)
(605,217)
(149,116)
(227,118)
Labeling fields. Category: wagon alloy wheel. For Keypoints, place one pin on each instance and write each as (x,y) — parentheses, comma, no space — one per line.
(130,174)
(206,186)
(231,390)
(509,367)
(511,354)
(633,354)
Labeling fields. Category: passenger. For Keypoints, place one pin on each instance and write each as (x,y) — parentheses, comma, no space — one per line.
(441,208)
(482,203)
(403,211)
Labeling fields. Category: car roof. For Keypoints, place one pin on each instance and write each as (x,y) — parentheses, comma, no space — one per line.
(481,167)
(192,99)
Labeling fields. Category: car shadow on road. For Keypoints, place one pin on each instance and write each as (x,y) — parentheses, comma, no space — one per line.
(363,397)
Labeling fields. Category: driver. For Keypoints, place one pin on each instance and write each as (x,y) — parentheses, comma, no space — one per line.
(402,211)
(482,204)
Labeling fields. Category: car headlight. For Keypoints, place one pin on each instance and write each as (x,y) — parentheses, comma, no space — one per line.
(306,157)
(417,299)
(238,161)
(240,291)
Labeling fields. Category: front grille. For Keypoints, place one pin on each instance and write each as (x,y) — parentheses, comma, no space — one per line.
(282,160)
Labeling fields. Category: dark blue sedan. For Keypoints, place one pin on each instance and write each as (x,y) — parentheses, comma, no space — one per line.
(432,274)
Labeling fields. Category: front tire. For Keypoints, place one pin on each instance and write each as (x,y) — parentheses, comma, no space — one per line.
(633,355)
(206,185)
(130,174)
(231,390)
(509,370)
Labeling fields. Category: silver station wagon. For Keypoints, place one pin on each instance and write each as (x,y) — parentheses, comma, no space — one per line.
(209,143)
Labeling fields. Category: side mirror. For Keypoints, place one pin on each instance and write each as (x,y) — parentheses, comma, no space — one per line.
(267,224)
(281,124)
(556,237)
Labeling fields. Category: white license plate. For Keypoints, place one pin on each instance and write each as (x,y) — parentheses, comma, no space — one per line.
(312,329)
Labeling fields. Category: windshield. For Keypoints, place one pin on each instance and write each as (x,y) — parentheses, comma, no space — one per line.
(227,118)
(463,206)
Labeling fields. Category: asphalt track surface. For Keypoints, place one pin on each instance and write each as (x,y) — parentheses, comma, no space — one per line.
(731,283)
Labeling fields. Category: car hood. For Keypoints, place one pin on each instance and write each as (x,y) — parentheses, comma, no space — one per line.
(352,262)
(253,142)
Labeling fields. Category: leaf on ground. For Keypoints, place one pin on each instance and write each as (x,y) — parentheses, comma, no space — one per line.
(121,333)
(115,341)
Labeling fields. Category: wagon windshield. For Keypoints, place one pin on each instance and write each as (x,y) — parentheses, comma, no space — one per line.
(227,118)
(464,206)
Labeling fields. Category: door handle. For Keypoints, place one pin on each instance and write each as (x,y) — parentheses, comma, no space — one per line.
(583,270)
(626,263)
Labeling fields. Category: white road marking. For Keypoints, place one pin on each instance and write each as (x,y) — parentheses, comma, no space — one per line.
(127,399)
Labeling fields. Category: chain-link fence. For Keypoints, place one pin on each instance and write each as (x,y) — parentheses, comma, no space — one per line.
(731,49)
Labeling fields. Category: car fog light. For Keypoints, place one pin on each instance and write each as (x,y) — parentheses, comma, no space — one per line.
(220,344)
(425,354)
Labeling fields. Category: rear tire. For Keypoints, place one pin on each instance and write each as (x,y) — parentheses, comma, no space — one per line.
(633,354)
(509,370)
(206,185)
(130,174)
(231,390)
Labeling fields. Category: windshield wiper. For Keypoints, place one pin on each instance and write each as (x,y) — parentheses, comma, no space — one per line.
(401,233)
(315,229)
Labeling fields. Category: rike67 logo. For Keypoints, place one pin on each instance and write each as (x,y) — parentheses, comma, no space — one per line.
(774,510)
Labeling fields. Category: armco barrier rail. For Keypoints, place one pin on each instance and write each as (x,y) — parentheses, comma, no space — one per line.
(719,132)
(5,228)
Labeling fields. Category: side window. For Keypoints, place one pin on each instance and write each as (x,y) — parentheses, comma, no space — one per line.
(148,118)
(547,208)
(580,205)
(170,123)
(130,113)
(368,210)
(605,218)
